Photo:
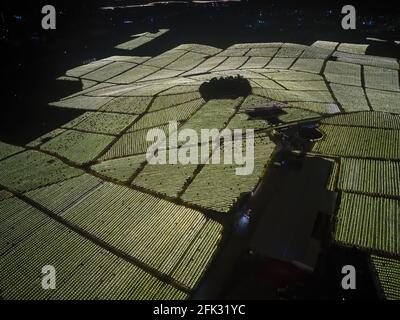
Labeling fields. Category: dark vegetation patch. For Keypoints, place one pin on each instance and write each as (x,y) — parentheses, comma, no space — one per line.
(225,88)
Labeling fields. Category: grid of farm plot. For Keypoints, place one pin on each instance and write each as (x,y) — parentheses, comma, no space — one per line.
(85,196)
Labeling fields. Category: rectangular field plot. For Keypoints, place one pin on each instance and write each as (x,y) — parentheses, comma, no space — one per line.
(226,186)
(79,147)
(366,119)
(291,75)
(308,65)
(131,143)
(206,66)
(131,105)
(370,176)
(178,113)
(384,101)
(304,85)
(82,102)
(85,271)
(163,102)
(61,195)
(295,95)
(7,150)
(187,62)
(109,71)
(17,221)
(369,223)
(262,52)
(350,97)
(121,169)
(256,63)
(280,63)
(84,69)
(359,142)
(231,63)
(343,73)
(154,231)
(380,78)
(101,122)
(31,169)
(165,58)
(133,74)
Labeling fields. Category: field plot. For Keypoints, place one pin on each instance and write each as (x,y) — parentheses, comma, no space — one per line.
(353,48)
(380,78)
(141,219)
(387,271)
(369,223)
(231,63)
(46,137)
(343,73)
(7,150)
(256,63)
(87,68)
(351,98)
(226,186)
(17,221)
(304,85)
(359,142)
(98,273)
(131,105)
(290,75)
(5,195)
(378,178)
(280,63)
(100,122)
(59,196)
(82,102)
(187,62)
(206,66)
(383,62)
(133,74)
(268,52)
(366,119)
(79,147)
(295,95)
(165,58)
(109,71)
(167,101)
(121,169)
(166,179)
(384,101)
(178,113)
(308,65)
(31,169)
(131,143)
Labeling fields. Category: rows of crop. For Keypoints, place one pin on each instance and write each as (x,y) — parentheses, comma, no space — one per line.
(17,221)
(290,75)
(226,186)
(140,220)
(370,176)
(167,101)
(7,150)
(165,179)
(121,169)
(5,195)
(317,107)
(289,52)
(206,66)
(134,43)
(381,78)
(384,100)
(231,63)
(243,121)
(343,73)
(332,182)
(132,59)
(42,139)
(294,95)
(262,52)
(267,83)
(187,62)
(82,102)
(369,222)
(366,60)
(165,58)
(199,48)
(308,65)
(84,271)
(366,119)
(351,98)
(134,74)
(256,63)
(233,52)
(162,75)
(132,105)
(318,85)
(178,113)
(31,169)
(191,268)
(61,195)
(388,274)
(359,142)
(84,69)
(101,122)
(353,48)
(131,143)
(280,63)
(214,114)
(76,146)
(109,71)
